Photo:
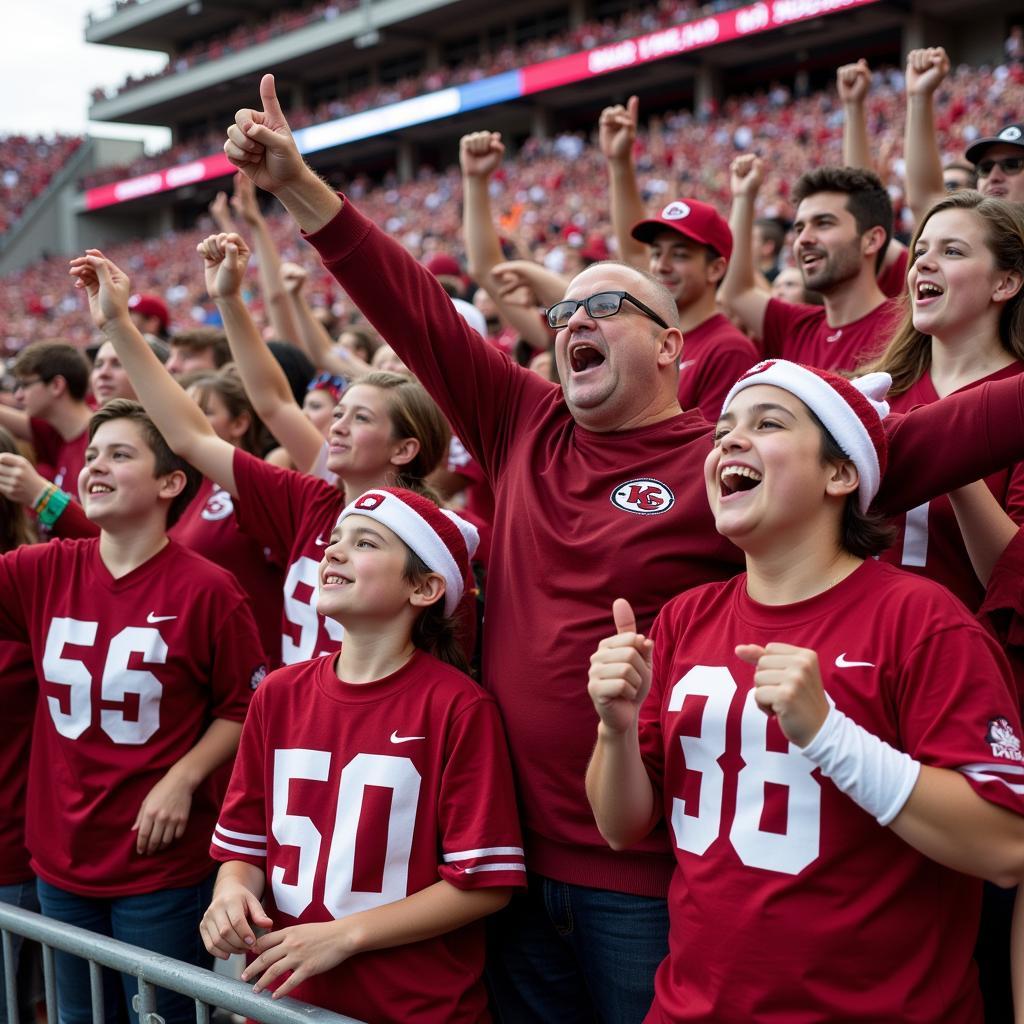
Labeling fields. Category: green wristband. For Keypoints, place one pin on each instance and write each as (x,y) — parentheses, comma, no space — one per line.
(54,508)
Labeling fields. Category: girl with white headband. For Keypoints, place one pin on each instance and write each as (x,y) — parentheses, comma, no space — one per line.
(833,742)
(373,790)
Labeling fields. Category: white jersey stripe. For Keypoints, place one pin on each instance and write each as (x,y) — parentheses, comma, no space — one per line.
(994,766)
(239,849)
(240,835)
(986,777)
(495,867)
(488,851)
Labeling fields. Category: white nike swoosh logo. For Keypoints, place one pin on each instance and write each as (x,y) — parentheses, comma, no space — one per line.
(841,662)
(321,543)
(395,738)
(686,362)
(154,619)
(834,337)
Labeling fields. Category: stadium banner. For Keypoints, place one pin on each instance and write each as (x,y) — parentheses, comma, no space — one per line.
(685,38)
(550,74)
(208,167)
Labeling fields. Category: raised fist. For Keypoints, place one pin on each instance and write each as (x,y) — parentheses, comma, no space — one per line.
(746,175)
(225,257)
(926,69)
(853,81)
(480,153)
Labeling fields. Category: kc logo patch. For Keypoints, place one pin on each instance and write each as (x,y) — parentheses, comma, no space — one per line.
(676,211)
(645,496)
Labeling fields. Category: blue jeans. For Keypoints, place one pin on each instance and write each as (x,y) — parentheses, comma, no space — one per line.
(21,894)
(166,921)
(562,954)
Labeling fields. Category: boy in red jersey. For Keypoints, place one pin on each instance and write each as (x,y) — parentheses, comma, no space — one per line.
(146,656)
(373,790)
(826,773)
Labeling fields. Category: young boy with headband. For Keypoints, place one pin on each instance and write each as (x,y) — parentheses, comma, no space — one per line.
(373,790)
(833,742)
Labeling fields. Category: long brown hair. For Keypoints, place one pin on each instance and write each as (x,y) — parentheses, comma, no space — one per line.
(908,355)
(228,386)
(15,526)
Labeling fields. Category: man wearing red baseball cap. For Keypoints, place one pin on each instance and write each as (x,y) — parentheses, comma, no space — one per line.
(149,314)
(688,246)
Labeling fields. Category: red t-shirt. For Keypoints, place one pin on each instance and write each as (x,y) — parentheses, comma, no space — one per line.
(58,460)
(582,518)
(131,671)
(715,355)
(350,797)
(929,541)
(292,515)
(209,527)
(801,333)
(18,691)
(893,278)
(789,903)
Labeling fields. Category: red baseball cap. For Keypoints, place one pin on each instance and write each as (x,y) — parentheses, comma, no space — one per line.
(692,219)
(150,305)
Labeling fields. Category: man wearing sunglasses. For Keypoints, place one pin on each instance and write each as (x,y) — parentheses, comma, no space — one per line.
(600,494)
(999,161)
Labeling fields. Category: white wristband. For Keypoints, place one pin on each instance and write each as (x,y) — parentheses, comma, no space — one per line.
(875,775)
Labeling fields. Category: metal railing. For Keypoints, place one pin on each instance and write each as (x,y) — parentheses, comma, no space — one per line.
(153,970)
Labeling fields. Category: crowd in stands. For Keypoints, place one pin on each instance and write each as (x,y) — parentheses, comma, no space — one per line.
(27,164)
(506,58)
(432,459)
(549,196)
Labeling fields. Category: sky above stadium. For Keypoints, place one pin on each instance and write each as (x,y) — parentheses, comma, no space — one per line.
(48,71)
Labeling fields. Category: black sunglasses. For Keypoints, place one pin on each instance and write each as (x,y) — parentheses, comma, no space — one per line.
(1011,165)
(600,305)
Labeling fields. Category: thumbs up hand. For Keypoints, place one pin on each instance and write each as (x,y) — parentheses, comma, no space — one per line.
(260,143)
(620,672)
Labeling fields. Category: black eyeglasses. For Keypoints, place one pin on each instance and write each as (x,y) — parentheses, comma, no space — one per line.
(600,305)
(1009,165)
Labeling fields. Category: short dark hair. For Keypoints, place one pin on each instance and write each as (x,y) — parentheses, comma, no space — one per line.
(863,534)
(866,198)
(166,460)
(50,359)
(772,231)
(203,339)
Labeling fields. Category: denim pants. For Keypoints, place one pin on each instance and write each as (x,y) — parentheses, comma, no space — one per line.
(21,894)
(562,954)
(166,921)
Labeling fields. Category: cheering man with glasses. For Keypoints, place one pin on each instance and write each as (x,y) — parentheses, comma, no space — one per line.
(600,494)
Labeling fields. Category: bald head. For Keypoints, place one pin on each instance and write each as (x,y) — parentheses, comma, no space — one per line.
(644,286)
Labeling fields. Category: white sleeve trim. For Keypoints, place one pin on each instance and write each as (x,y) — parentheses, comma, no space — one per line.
(248,851)
(487,851)
(985,773)
(495,867)
(240,835)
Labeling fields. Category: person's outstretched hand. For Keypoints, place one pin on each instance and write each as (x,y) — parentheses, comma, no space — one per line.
(260,143)
(225,257)
(106,285)
(617,129)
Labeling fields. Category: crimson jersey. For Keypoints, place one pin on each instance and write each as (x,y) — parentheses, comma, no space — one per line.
(1002,611)
(801,333)
(209,527)
(893,278)
(131,671)
(350,797)
(479,506)
(18,691)
(582,518)
(292,514)
(929,540)
(58,460)
(715,355)
(789,903)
